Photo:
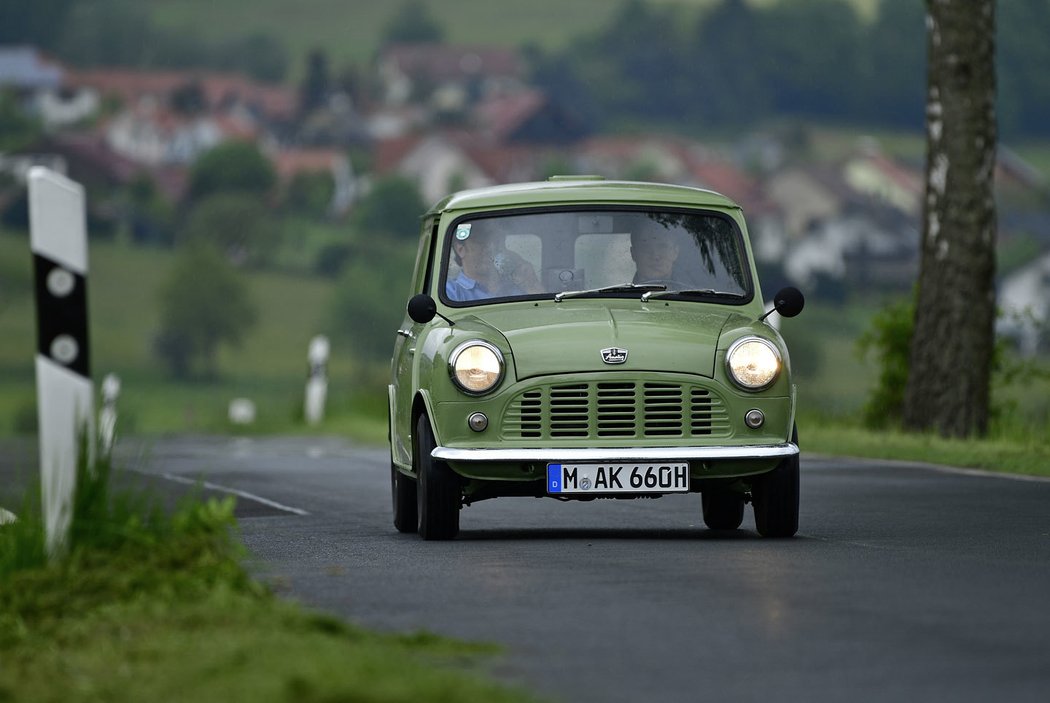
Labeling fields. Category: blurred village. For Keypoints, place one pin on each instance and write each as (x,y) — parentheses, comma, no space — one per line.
(445,117)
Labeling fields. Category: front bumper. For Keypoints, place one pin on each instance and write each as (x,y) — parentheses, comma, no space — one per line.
(614,454)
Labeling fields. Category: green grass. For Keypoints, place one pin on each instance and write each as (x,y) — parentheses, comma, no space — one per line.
(1029,455)
(147,605)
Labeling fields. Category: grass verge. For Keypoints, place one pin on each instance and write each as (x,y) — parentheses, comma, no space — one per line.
(153,606)
(1028,455)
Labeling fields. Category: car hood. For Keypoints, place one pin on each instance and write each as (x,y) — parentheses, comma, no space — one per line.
(573,334)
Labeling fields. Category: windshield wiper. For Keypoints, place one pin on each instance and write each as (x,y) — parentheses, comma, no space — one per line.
(621,288)
(705,292)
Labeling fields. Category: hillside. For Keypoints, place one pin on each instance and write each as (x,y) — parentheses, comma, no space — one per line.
(351,30)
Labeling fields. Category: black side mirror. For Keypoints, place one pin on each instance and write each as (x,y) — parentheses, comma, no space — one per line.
(789,301)
(422,308)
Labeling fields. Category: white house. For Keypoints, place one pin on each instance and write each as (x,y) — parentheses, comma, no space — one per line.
(1024,302)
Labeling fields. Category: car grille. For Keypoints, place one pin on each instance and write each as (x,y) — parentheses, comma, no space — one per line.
(616,410)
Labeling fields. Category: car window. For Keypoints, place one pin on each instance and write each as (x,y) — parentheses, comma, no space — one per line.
(541,254)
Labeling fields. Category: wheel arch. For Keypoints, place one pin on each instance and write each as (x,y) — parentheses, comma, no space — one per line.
(422,405)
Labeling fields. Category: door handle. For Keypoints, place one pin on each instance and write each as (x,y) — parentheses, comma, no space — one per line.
(407,334)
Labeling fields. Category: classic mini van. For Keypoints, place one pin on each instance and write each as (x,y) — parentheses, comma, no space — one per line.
(581,338)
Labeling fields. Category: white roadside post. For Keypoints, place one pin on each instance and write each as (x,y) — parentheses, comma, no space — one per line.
(107,415)
(65,395)
(317,380)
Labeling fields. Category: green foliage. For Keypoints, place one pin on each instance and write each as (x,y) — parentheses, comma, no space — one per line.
(236,223)
(232,167)
(392,207)
(17,129)
(370,299)
(1028,455)
(413,24)
(745,62)
(889,341)
(106,520)
(203,305)
(310,194)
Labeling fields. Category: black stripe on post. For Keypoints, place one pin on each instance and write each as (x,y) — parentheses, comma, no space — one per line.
(61,315)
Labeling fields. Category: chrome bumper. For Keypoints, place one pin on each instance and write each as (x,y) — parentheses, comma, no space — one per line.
(604,455)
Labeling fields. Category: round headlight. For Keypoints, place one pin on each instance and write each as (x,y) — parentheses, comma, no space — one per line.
(753,363)
(476,367)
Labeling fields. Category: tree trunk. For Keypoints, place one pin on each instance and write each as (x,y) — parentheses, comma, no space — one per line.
(951,354)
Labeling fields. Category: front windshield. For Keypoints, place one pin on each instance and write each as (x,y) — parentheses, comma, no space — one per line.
(543,254)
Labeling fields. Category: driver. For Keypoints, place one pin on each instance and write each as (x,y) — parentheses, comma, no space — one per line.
(487,269)
(654,253)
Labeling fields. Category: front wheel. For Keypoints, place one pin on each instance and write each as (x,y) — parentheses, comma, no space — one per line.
(775,497)
(403,490)
(438,495)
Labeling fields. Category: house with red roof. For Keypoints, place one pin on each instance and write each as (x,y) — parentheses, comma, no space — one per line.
(448,78)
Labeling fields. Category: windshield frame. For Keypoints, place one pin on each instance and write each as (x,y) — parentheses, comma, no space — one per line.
(442,267)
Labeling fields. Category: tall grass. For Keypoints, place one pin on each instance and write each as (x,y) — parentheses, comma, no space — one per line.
(128,521)
(148,604)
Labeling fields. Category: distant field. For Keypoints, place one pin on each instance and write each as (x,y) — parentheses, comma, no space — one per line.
(270,367)
(351,30)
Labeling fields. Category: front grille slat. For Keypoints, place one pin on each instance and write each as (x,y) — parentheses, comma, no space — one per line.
(623,409)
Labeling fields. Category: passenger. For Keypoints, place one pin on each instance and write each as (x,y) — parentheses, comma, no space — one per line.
(654,253)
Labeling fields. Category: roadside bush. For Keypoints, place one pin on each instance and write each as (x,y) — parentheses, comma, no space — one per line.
(889,340)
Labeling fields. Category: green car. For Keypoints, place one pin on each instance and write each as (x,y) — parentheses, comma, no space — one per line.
(580,338)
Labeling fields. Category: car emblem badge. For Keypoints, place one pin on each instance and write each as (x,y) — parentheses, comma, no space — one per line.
(614,355)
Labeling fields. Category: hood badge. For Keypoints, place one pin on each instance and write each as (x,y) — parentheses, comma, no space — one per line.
(614,355)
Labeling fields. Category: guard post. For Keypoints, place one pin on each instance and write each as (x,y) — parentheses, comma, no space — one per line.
(65,395)
(317,380)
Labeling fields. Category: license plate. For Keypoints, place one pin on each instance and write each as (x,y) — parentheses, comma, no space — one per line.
(617,478)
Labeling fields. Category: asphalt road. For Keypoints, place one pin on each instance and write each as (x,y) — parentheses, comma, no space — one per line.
(905,582)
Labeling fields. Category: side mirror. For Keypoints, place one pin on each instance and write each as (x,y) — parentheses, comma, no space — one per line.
(422,308)
(789,301)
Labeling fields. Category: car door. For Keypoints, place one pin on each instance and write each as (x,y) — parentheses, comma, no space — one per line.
(405,349)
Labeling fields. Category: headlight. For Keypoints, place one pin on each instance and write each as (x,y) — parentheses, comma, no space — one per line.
(476,367)
(753,363)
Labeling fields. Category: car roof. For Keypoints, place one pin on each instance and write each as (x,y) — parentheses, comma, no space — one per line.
(580,190)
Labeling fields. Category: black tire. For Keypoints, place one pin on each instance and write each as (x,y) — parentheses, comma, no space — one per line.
(403,491)
(775,497)
(723,510)
(437,488)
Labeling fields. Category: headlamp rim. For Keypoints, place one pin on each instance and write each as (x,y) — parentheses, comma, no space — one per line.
(454,357)
(729,362)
